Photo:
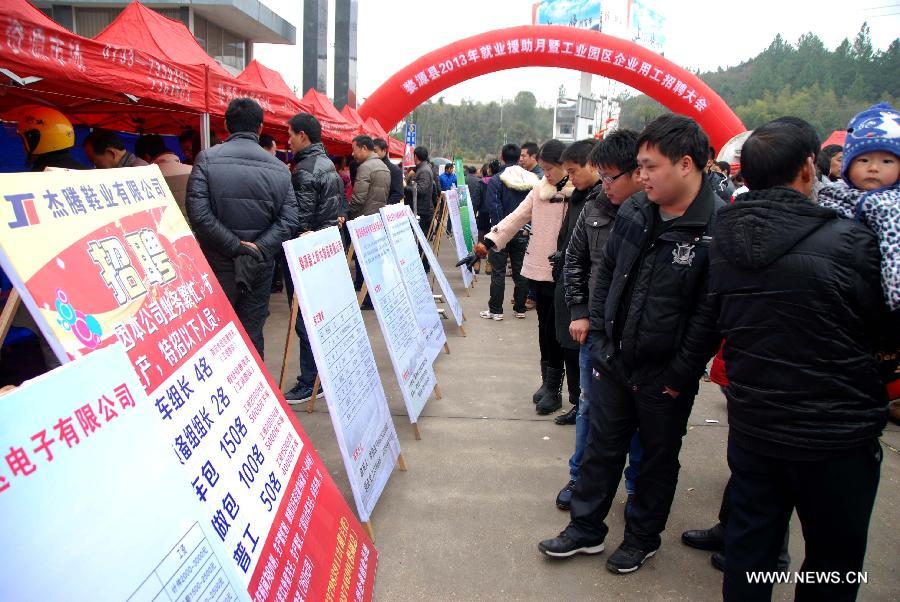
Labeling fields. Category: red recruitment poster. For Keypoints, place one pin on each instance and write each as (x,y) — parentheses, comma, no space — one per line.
(104,256)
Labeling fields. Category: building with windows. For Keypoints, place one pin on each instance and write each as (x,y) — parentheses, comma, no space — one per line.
(226,29)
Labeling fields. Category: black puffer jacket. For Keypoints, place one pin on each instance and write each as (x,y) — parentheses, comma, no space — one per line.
(577,202)
(425,184)
(585,252)
(668,330)
(800,300)
(237,191)
(319,190)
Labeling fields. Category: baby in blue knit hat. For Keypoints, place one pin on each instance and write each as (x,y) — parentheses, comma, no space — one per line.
(869,190)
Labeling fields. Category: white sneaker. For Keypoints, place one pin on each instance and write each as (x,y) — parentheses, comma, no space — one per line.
(487,315)
(520,315)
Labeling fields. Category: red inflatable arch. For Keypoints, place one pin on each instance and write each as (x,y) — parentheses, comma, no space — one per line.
(553,46)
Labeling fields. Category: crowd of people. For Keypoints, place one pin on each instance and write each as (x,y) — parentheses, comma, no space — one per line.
(643,258)
(646,257)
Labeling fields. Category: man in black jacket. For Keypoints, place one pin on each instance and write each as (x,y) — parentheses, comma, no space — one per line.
(241,206)
(320,204)
(396,193)
(615,158)
(800,303)
(652,331)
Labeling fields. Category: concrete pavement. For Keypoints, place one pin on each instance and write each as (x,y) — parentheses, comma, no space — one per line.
(463,523)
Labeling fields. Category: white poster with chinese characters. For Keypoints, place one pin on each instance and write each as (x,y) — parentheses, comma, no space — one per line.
(404,340)
(337,335)
(105,256)
(406,255)
(449,295)
(87,519)
(459,238)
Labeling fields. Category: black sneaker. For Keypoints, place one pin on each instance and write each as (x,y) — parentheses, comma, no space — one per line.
(568,418)
(563,547)
(628,558)
(564,498)
(300,394)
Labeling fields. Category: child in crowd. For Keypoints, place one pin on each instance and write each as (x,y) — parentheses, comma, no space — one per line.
(869,190)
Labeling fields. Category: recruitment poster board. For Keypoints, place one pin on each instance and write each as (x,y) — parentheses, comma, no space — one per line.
(449,295)
(406,256)
(459,233)
(404,340)
(105,256)
(337,335)
(68,493)
(468,217)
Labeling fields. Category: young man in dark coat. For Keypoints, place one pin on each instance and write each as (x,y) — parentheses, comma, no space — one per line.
(652,331)
(241,205)
(615,158)
(321,203)
(396,192)
(799,302)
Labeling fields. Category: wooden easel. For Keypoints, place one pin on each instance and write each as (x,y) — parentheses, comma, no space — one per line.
(6,319)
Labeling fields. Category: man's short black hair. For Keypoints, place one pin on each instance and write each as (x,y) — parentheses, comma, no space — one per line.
(448,167)
(150,146)
(364,141)
(724,166)
(774,154)
(100,140)
(532,148)
(243,115)
(618,149)
(421,153)
(381,144)
(188,134)
(810,135)
(494,167)
(510,153)
(675,136)
(579,151)
(266,141)
(551,152)
(471,169)
(308,124)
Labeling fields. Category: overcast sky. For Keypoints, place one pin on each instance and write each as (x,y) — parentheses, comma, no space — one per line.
(699,34)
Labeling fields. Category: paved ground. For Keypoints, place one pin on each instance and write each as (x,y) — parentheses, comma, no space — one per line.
(463,523)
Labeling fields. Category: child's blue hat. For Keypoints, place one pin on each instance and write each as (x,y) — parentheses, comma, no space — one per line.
(875,129)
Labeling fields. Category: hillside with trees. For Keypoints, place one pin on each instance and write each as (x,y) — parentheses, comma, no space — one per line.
(824,87)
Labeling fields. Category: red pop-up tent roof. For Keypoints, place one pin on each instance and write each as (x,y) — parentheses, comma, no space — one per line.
(837,137)
(258,74)
(333,123)
(351,115)
(143,29)
(373,128)
(93,82)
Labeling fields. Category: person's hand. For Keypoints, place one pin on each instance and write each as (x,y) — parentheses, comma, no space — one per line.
(578,329)
(341,221)
(469,261)
(251,245)
(555,258)
(671,392)
(249,248)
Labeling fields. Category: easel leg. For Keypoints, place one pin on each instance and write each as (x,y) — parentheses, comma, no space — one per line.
(311,405)
(368,527)
(437,391)
(401,463)
(416,432)
(289,339)
(447,348)
(462,330)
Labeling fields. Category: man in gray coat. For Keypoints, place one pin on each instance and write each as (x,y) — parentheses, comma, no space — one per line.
(373,180)
(241,205)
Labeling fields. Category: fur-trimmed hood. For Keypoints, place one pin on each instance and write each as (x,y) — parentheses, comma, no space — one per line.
(546,190)
(518,178)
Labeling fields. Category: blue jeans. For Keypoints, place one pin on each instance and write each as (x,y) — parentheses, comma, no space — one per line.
(583,426)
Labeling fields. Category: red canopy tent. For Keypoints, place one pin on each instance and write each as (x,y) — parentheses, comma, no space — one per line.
(395,147)
(93,82)
(335,127)
(351,115)
(837,137)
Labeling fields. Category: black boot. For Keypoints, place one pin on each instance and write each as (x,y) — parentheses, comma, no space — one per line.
(552,399)
(568,418)
(543,388)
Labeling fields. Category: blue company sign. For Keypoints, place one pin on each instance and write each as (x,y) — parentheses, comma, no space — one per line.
(411,134)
